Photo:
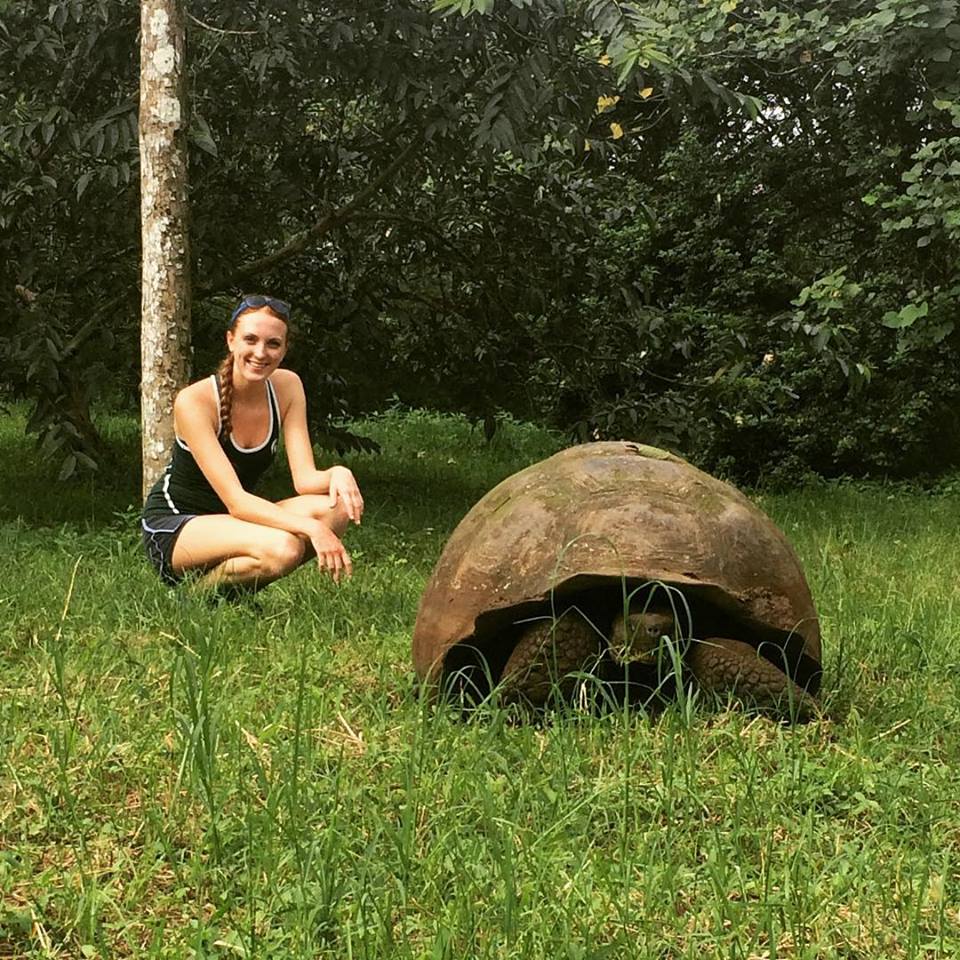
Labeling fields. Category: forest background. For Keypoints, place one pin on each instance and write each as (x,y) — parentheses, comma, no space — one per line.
(726,227)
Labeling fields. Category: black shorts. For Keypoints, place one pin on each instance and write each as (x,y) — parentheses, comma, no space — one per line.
(160,533)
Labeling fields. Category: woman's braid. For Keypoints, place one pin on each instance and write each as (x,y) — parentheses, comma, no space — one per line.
(225,381)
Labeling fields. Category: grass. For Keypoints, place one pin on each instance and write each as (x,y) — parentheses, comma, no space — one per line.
(261,779)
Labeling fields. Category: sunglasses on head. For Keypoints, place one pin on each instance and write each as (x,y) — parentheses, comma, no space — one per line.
(255,300)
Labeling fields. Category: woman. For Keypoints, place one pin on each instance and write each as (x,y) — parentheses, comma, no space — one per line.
(202,513)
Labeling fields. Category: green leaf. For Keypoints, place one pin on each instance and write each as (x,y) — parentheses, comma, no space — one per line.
(83,181)
(626,63)
(446,7)
(67,468)
(751,105)
(606,18)
(941,331)
(86,461)
(200,134)
(906,316)
(657,56)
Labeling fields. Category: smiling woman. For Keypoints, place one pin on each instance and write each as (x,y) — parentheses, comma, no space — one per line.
(203,513)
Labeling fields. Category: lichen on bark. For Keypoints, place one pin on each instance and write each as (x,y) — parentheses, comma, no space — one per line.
(165,241)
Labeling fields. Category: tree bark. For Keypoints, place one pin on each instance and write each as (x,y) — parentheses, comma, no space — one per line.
(165,270)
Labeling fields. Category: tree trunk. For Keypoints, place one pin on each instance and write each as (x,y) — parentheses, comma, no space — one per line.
(165,272)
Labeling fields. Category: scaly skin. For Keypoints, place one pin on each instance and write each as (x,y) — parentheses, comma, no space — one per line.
(547,652)
(723,666)
(720,665)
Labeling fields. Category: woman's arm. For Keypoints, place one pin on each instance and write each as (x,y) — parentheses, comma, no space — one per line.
(195,418)
(337,482)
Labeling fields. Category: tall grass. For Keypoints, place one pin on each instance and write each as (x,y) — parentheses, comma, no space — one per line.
(263,779)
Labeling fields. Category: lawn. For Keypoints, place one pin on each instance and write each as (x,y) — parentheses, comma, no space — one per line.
(261,779)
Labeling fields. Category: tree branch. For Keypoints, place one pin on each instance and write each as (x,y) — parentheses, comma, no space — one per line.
(212,29)
(295,246)
(427,226)
(92,324)
(323,226)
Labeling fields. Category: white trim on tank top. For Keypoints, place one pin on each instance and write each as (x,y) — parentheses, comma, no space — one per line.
(272,403)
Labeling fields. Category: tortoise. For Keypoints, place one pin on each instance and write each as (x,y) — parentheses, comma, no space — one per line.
(625,561)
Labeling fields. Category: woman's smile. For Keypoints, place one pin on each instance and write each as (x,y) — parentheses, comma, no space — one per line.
(258,343)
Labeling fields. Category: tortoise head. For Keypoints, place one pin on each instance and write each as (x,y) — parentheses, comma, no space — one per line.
(635,637)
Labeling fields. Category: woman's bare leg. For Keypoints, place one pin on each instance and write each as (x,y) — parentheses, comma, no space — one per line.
(318,507)
(233,551)
(240,553)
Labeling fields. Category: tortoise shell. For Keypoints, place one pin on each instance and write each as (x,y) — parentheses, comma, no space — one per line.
(620,514)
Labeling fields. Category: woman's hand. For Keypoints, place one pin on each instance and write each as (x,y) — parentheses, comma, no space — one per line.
(331,553)
(343,487)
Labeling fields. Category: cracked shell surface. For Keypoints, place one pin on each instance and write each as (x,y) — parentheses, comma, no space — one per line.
(609,512)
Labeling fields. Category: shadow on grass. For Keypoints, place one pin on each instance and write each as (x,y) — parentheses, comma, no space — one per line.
(408,485)
(30,492)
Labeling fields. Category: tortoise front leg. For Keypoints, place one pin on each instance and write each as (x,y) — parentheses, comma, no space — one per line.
(725,666)
(546,655)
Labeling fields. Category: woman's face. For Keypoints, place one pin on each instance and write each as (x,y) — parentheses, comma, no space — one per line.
(258,343)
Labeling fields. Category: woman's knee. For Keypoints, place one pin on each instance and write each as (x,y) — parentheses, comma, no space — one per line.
(283,553)
(336,517)
(318,507)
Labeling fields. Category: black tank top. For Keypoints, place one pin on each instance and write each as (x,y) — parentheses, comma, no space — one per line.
(182,488)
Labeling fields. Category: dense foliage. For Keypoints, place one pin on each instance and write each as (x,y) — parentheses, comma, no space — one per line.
(731,229)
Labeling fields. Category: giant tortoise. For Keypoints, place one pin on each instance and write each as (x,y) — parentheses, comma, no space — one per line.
(622,561)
